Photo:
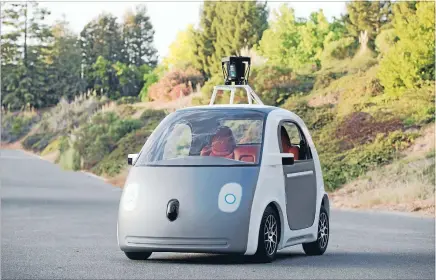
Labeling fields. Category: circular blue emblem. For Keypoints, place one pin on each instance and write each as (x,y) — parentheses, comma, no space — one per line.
(230,198)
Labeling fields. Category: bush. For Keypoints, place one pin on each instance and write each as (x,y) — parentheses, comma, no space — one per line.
(16,125)
(341,168)
(114,162)
(37,142)
(151,118)
(98,138)
(128,100)
(175,84)
(275,84)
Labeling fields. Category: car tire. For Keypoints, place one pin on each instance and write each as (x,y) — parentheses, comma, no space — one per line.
(319,246)
(138,256)
(269,236)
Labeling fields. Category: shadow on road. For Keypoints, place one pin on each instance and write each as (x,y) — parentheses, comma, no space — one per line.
(338,259)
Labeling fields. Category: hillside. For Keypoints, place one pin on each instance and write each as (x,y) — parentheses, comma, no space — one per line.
(363,83)
(374,154)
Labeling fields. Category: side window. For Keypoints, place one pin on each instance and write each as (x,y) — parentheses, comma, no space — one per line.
(179,142)
(293,141)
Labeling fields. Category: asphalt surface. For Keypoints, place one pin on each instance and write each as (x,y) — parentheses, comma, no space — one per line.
(59,224)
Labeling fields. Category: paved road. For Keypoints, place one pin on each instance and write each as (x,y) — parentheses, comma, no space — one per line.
(58,224)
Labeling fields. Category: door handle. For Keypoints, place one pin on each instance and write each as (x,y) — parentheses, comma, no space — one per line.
(298,174)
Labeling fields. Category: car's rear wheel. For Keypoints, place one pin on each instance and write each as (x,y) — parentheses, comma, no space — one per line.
(319,246)
(138,256)
(269,236)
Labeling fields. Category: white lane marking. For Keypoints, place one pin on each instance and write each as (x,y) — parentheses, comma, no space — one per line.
(304,173)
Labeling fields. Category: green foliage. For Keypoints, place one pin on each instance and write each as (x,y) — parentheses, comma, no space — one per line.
(181,51)
(25,81)
(149,79)
(343,167)
(408,63)
(369,16)
(296,43)
(385,40)
(37,142)
(15,126)
(275,84)
(99,137)
(138,36)
(115,161)
(53,146)
(225,29)
(127,100)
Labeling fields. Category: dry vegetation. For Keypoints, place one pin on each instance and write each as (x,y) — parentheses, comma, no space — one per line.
(405,185)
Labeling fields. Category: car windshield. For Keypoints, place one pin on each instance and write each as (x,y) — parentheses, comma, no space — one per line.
(205,137)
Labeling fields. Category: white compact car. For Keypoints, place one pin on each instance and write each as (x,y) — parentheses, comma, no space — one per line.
(230,178)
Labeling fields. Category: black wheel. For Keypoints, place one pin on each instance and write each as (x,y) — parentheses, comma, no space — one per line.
(138,256)
(319,246)
(269,236)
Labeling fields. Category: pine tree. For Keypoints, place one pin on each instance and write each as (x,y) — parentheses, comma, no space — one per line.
(138,35)
(27,44)
(100,37)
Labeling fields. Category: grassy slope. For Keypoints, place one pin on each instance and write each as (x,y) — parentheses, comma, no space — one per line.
(356,129)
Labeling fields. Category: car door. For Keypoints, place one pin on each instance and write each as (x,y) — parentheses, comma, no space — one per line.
(300,179)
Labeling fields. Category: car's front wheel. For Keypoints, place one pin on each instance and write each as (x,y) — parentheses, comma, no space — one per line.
(138,256)
(319,246)
(269,233)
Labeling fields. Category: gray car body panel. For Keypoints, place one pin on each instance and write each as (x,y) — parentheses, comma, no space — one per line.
(201,226)
(300,194)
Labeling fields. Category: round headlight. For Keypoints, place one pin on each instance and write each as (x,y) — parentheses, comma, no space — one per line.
(130,196)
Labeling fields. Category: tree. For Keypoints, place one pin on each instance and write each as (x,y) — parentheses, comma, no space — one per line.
(293,42)
(411,60)
(181,52)
(100,37)
(65,62)
(27,44)
(369,16)
(225,29)
(138,35)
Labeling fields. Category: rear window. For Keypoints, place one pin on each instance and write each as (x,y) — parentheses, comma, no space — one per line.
(206,138)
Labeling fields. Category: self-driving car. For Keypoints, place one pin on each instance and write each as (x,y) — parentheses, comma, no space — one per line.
(229,178)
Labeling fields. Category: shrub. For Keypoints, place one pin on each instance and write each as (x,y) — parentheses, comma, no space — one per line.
(275,84)
(151,118)
(16,125)
(341,168)
(174,84)
(128,100)
(99,137)
(37,142)
(114,162)
(361,128)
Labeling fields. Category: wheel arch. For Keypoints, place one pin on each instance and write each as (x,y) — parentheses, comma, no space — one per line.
(277,208)
(326,203)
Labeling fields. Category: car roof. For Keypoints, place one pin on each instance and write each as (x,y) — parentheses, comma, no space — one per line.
(255,107)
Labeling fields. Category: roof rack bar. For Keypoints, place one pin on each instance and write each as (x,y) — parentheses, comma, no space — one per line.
(232,96)
(251,95)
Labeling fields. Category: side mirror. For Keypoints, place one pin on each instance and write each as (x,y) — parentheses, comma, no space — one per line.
(131,158)
(287,159)
(279,159)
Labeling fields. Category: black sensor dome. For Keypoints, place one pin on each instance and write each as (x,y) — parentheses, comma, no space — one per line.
(236,69)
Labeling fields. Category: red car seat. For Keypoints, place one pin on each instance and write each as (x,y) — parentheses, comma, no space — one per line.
(222,145)
(287,146)
(247,153)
